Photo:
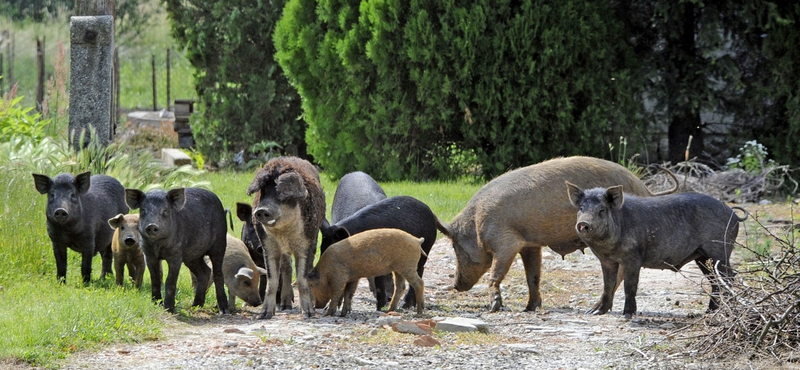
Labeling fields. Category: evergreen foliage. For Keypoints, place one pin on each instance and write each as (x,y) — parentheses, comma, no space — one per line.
(434,89)
(244,97)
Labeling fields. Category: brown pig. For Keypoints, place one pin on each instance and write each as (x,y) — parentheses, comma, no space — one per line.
(369,253)
(126,248)
(241,273)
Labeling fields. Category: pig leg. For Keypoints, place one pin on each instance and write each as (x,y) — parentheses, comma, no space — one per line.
(219,282)
(60,253)
(273,262)
(306,297)
(610,272)
(86,265)
(119,269)
(202,273)
(337,287)
(106,255)
(170,286)
(620,278)
(500,264)
(416,283)
(349,291)
(285,288)
(380,291)
(399,288)
(532,261)
(138,265)
(724,270)
(411,296)
(156,277)
(631,284)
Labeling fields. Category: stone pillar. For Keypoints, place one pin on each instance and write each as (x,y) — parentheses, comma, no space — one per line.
(91,78)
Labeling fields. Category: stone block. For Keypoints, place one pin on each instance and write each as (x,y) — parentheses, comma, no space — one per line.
(175,157)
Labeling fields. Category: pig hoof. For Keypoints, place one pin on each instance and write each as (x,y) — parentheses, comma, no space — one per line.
(496,306)
(265,316)
(628,316)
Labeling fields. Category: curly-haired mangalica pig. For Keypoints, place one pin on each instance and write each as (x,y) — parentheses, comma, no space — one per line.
(182,226)
(369,253)
(520,212)
(251,236)
(127,248)
(78,209)
(289,205)
(400,212)
(241,274)
(655,232)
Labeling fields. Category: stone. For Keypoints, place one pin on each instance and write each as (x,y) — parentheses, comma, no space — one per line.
(426,341)
(410,327)
(174,157)
(522,347)
(91,79)
(462,324)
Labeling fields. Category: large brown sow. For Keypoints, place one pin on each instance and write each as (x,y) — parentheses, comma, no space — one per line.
(520,212)
(369,253)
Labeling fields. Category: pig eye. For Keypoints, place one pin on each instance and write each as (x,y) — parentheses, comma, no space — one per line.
(601,213)
(164,213)
(247,284)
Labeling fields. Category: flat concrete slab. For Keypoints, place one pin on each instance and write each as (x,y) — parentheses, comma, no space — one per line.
(175,157)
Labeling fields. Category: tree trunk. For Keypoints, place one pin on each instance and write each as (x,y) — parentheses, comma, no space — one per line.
(95,7)
(685,120)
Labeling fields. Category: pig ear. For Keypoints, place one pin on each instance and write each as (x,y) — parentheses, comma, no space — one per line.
(615,197)
(83,182)
(133,197)
(313,275)
(574,193)
(115,221)
(244,212)
(245,273)
(177,197)
(290,186)
(42,182)
(324,225)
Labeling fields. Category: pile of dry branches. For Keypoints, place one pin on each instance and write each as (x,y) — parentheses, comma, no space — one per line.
(735,185)
(760,314)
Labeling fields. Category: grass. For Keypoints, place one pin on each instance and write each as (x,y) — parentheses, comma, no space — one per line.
(43,321)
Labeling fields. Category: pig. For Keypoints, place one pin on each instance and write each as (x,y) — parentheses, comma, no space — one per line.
(369,253)
(289,205)
(400,212)
(521,211)
(251,239)
(355,191)
(631,232)
(182,226)
(241,273)
(78,209)
(126,248)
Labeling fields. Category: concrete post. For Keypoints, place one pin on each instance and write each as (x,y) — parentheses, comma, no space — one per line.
(91,78)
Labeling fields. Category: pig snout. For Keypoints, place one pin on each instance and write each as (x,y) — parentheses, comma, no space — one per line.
(61,215)
(583,226)
(265,216)
(152,230)
(130,241)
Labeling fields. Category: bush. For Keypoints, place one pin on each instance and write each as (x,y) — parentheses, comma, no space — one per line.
(398,89)
(244,97)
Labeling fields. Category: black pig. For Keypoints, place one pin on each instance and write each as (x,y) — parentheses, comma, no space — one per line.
(357,190)
(664,232)
(181,226)
(400,212)
(78,209)
(251,236)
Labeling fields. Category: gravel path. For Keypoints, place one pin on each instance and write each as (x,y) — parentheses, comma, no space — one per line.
(559,337)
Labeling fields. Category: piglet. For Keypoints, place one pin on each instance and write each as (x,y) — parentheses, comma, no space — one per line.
(127,249)
(368,253)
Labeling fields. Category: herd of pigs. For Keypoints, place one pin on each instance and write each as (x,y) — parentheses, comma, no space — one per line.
(565,204)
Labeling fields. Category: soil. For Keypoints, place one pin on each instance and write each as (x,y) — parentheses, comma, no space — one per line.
(560,336)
